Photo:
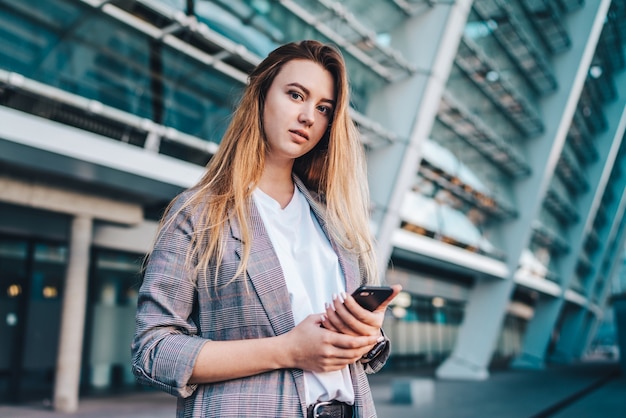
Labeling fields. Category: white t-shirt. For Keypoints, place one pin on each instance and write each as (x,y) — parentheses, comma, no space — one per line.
(312,272)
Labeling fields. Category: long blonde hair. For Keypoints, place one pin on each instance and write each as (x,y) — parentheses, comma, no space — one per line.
(335,168)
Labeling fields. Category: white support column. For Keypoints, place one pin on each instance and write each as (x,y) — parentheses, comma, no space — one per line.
(576,326)
(489,298)
(611,248)
(540,328)
(67,377)
(572,323)
(408,107)
(538,333)
(613,253)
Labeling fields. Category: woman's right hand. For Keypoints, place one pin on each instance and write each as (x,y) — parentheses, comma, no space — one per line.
(310,347)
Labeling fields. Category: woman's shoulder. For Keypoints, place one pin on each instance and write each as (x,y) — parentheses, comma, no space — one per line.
(194,196)
(189,202)
(184,198)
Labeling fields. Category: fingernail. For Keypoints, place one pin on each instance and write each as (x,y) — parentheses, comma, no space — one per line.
(334,296)
(323,318)
(380,339)
(341,298)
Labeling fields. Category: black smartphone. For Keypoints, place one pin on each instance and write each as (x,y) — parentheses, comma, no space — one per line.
(370,297)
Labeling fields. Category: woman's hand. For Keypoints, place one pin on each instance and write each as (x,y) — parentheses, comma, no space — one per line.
(308,346)
(344,315)
(311,347)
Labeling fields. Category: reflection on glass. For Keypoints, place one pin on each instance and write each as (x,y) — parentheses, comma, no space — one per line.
(50,292)
(13,268)
(14,290)
(113,301)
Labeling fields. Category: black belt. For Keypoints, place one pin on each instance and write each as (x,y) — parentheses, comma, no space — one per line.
(331,409)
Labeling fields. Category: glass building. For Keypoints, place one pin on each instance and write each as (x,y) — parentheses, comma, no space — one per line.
(493,130)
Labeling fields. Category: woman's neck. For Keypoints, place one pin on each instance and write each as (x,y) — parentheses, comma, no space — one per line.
(278,184)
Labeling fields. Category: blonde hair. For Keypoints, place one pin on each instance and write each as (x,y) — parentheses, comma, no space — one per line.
(335,169)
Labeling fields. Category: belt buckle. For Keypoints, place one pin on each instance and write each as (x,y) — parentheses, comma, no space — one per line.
(316,414)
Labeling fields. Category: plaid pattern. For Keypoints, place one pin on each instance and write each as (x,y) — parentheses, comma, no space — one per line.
(177,313)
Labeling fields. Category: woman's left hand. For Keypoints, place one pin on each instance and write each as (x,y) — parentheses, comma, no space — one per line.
(346,316)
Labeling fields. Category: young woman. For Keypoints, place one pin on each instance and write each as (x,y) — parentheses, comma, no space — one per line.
(245,307)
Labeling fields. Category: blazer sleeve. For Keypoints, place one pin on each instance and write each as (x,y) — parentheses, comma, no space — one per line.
(165,345)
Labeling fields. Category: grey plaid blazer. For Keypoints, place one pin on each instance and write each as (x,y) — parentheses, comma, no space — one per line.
(176,314)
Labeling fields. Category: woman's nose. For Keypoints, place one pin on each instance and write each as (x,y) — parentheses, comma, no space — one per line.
(306,116)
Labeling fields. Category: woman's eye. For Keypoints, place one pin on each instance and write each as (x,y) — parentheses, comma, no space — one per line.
(325,110)
(295,95)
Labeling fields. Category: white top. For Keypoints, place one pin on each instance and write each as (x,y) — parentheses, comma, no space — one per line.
(312,272)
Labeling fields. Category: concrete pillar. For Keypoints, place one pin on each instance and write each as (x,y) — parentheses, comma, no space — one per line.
(572,325)
(608,257)
(538,333)
(540,328)
(73,317)
(619,309)
(489,298)
(429,41)
(611,262)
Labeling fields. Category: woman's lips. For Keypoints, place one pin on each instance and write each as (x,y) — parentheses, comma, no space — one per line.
(300,133)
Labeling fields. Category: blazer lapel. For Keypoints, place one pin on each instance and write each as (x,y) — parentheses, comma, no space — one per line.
(269,284)
(266,273)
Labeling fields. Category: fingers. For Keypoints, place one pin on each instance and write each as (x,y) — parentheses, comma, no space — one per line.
(344,349)
(317,349)
(313,333)
(345,315)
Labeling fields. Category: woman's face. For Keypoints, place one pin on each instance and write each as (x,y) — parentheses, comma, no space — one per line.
(298,108)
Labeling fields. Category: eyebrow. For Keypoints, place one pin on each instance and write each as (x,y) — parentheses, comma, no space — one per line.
(308,92)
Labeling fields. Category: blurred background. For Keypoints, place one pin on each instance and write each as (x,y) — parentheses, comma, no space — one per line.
(494,136)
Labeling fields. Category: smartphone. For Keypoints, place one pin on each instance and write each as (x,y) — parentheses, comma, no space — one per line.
(370,297)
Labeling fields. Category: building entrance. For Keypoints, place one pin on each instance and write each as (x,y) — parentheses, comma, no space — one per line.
(31,287)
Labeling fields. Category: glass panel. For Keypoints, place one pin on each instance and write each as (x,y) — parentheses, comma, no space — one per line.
(99,58)
(44,319)
(113,301)
(425,328)
(379,16)
(13,271)
(198,100)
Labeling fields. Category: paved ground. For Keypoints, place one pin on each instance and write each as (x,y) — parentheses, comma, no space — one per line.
(586,390)
(582,391)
